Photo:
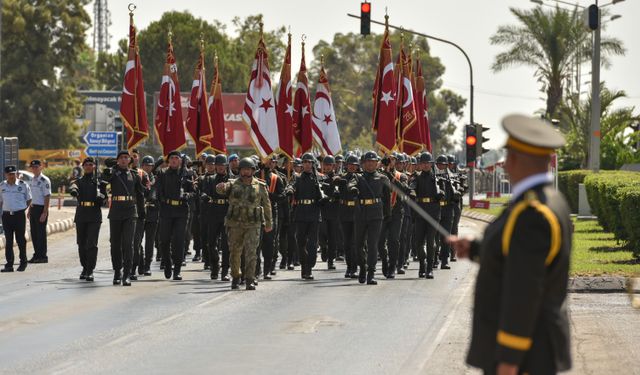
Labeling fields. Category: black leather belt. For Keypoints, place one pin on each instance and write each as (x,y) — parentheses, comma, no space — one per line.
(121,198)
(87,204)
(368,202)
(13,212)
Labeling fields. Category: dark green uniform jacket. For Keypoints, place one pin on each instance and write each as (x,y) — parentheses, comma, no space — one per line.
(520,314)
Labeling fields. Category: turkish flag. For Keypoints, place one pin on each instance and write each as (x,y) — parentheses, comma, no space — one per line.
(198,120)
(216,112)
(384,98)
(169,125)
(284,106)
(408,129)
(133,109)
(302,110)
(422,106)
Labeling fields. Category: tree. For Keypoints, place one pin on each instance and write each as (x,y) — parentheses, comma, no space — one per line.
(551,42)
(617,141)
(40,39)
(351,60)
(83,76)
(110,67)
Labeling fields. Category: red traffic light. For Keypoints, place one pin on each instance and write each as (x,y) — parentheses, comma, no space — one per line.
(365,7)
(471,140)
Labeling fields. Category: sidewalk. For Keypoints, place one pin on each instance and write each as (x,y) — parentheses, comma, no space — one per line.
(59,221)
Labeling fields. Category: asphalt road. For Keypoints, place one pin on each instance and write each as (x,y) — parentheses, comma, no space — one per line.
(52,323)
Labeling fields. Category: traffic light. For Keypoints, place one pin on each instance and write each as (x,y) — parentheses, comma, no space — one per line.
(471,141)
(593,16)
(365,18)
(480,150)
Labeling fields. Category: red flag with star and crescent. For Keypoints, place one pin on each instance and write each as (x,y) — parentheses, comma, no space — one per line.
(384,98)
(422,106)
(284,106)
(133,108)
(198,120)
(302,111)
(410,140)
(216,112)
(259,114)
(169,126)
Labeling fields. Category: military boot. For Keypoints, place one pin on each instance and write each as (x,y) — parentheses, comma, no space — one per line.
(176,272)
(117,277)
(371,279)
(429,270)
(225,274)
(197,257)
(250,285)
(167,268)
(362,278)
(421,272)
(235,283)
(330,265)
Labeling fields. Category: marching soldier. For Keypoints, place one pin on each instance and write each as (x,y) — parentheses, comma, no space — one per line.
(457,198)
(214,208)
(307,196)
(406,231)
(520,320)
(427,192)
(249,210)
(446,208)
(175,190)
(127,204)
(389,244)
(347,211)
(138,251)
(90,192)
(152,216)
(374,207)
(38,213)
(15,197)
(330,226)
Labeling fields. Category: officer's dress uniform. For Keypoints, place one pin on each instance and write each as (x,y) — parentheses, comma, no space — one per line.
(40,189)
(374,206)
(406,232)
(14,198)
(307,195)
(249,210)
(214,208)
(90,193)
(520,313)
(331,219)
(175,190)
(127,204)
(426,188)
(284,246)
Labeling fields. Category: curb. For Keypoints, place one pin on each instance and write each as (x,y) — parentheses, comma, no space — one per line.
(57,227)
(604,284)
(487,218)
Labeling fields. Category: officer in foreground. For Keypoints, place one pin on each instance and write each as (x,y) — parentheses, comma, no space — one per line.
(249,209)
(90,192)
(15,197)
(520,322)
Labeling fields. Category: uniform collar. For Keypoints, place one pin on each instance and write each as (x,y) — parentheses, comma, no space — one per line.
(529,182)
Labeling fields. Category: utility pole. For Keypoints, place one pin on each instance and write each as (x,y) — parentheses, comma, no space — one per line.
(594,144)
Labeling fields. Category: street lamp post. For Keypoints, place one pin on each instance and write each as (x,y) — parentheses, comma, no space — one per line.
(472,168)
(594,144)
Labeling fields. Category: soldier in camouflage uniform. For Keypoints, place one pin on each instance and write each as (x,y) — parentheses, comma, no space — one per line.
(249,209)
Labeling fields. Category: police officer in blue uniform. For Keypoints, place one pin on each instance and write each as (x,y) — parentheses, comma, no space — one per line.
(15,197)
(38,212)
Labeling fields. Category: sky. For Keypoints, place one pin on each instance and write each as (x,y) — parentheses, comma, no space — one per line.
(469,23)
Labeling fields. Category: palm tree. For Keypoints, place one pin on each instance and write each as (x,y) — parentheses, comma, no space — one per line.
(551,42)
(575,115)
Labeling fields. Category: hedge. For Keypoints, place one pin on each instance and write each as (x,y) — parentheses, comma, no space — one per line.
(568,182)
(615,198)
(59,176)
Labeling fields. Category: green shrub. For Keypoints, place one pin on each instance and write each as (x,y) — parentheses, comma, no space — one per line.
(59,176)
(614,197)
(568,182)
(630,212)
